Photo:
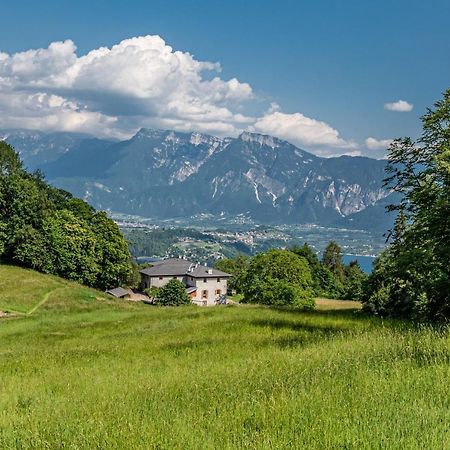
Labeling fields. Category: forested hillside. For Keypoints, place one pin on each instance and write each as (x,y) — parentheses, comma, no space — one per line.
(49,230)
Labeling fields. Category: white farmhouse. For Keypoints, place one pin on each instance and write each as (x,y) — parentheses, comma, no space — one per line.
(205,286)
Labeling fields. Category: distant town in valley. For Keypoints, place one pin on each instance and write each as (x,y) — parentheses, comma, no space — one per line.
(207,238)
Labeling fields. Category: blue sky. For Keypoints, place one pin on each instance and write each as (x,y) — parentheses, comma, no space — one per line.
(330,62)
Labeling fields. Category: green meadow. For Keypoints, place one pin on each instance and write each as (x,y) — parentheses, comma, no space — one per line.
(79,370)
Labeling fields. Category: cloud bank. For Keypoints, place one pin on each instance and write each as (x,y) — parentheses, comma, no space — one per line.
(399,106)
(138,82)
(378,144)
(302,131)
(141,82)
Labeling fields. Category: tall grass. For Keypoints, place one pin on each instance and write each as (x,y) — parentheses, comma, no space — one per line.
(83,373)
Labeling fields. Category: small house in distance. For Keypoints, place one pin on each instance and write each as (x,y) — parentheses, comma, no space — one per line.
(204,285)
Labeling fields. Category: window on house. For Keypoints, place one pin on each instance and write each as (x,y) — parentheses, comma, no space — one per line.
(218,292)
(205,280)
(204,294)
(174,278)
(218,280)
(160,278)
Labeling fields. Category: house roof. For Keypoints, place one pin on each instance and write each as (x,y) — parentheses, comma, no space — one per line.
(168,267)
(207,272)
(190,290)
(118,292)
(181,267)
(169,260)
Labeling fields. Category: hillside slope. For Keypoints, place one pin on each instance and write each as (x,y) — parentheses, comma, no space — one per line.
(85,372)
(26,292)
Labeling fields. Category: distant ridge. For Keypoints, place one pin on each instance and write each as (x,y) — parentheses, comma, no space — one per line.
(167,174)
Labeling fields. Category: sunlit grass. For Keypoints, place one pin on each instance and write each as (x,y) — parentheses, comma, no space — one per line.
(87,372)
(21,290)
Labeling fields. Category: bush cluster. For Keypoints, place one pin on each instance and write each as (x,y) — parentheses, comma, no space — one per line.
(294,276)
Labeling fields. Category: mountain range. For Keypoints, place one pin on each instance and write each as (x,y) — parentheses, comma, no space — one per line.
(168,174)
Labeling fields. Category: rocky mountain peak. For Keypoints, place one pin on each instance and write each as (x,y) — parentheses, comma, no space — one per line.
(261,139)
(145,133)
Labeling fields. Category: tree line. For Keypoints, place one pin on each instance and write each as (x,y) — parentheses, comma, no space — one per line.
(49,230)
(411,278)
(294,276)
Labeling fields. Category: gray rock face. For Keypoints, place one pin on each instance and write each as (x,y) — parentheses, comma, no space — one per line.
(166,174)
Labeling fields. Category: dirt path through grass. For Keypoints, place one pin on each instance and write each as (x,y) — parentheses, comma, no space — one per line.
(37,305)
(44,299)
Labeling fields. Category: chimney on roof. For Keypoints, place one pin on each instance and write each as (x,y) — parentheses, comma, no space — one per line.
(209,271)
(205,264)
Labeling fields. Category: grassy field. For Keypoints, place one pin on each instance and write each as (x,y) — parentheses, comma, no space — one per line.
(81,371)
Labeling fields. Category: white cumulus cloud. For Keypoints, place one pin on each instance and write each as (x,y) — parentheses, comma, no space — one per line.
(139,82)
(142,82)
(399,106)
(303,131)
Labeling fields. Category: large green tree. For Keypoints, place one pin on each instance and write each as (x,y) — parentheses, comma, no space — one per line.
(412,278)
(114,257)
(73,246)
(279,277)
(332,259)
(354,281)
(309,254)
(9,160)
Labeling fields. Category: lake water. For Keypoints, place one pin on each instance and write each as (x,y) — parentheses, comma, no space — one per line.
(364,261)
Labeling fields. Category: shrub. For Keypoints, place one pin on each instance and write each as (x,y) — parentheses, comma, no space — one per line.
(172,294)
(152,292)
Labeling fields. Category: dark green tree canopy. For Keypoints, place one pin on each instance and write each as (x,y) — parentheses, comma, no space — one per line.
(9,160)
(308,253)
(279,277)
(412,278)
(49,230)
(332,259)
(237,267)
(331,278)
(354,281)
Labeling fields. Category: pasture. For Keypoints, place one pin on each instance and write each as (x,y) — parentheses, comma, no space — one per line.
(79,370)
